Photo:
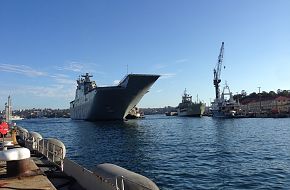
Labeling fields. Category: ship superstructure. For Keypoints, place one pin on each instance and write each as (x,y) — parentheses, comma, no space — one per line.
(226,106)
(109,103)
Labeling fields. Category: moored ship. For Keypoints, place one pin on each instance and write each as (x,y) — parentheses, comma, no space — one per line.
(112,102)
(226,107)
(189,108)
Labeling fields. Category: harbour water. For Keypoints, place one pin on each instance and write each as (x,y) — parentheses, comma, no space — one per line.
(182,153)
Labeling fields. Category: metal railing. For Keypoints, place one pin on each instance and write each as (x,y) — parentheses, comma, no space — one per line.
(51,151)
(46,147)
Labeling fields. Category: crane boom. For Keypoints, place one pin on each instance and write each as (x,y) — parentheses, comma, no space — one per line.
(217,72)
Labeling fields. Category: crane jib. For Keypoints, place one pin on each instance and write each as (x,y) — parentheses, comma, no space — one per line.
(217,71)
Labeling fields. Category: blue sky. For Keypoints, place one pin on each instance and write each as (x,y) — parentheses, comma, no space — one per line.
(46,45)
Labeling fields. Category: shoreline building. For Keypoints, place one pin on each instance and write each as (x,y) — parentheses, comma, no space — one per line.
(277,105)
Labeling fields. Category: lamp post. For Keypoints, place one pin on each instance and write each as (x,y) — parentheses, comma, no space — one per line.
(260,99)
(238,100)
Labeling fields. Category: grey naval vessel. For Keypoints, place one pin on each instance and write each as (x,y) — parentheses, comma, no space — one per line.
(189,108)
(94,103)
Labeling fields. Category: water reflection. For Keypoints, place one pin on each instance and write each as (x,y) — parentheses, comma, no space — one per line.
(111,142)
(224,156)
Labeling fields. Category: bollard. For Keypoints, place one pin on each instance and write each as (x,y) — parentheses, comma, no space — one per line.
(13,135)
(17,160)
(17,167)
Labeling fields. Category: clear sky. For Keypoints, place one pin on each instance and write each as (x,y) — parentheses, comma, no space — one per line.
(46,45)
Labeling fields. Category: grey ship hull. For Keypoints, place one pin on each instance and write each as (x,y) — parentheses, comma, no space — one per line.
(112,103)
(192,110)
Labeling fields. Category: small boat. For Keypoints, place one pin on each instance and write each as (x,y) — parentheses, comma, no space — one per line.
(15,118)
(171,113)
(135,113)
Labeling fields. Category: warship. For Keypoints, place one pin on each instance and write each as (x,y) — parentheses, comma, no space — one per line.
(189,108)
(95,103)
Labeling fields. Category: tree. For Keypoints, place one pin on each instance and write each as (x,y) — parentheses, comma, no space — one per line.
(272,94)
(264,95)
(285,93)
(243,93)
(253,95)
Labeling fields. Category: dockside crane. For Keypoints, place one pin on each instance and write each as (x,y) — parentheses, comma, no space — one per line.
(217,72)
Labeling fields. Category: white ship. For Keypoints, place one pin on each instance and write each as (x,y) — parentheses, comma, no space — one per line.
(226,106)
(94,103)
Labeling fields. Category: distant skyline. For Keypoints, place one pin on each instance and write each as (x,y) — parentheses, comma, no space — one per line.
(46,45)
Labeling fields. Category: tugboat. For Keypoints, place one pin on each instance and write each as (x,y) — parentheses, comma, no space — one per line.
(189,108)
(171,113)
(135,113)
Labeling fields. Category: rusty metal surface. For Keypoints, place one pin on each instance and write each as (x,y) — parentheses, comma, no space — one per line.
(17,167)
